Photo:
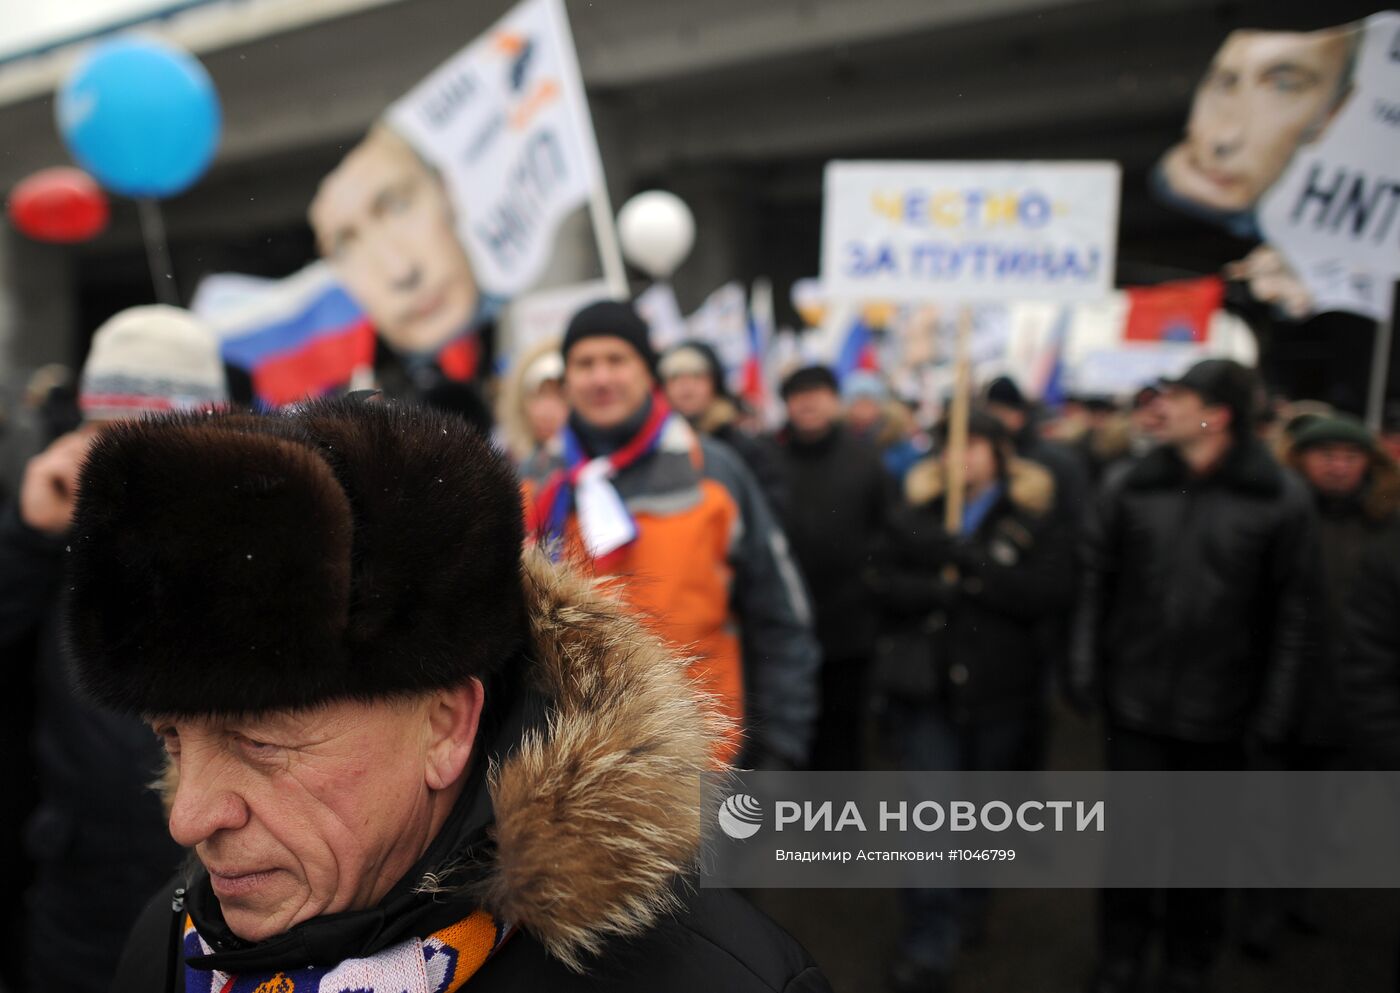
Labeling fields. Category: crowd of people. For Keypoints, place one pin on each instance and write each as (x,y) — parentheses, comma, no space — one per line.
(1210,574)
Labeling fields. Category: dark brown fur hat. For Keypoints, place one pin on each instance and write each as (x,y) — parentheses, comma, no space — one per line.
(232,563)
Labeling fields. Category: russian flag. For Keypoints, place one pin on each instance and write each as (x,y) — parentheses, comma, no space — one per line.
(753,377)
(752,384)
(297,337)
(857,351)
(1051,371)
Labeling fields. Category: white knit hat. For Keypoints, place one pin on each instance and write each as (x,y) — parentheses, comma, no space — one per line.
(150,359)
(544,369)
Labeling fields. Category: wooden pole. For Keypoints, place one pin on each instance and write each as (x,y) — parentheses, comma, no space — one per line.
(955,458)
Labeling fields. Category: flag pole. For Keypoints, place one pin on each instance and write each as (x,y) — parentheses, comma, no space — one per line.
(157,251)
(600,210)
(1380,366)
(955,459)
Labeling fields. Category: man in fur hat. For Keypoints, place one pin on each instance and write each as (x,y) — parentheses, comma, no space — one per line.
(404,757)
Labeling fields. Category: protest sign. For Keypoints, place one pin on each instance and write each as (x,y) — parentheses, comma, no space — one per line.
(969,231)
(506,126)
(470,191)
(1293,138)
(1334,213)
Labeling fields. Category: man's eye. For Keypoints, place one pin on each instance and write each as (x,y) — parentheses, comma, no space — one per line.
(341,248)
(1290,82)
(1221,82)
(254,746)
(169,739)
(397,201)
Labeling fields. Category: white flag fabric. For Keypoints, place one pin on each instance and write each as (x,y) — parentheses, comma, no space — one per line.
(506,125)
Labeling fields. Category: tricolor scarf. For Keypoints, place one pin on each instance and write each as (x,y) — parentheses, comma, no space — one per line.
(549,511)
(439,963)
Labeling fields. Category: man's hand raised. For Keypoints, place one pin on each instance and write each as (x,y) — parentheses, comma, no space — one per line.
(49,493)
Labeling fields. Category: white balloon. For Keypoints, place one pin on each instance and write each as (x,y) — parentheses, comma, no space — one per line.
(656,230)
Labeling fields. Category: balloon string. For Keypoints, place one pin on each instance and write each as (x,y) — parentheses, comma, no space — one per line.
(157,252)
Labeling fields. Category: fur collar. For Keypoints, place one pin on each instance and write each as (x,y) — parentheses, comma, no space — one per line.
(596,809)
(1029,486)
(597,815)
(1248,468)
(718,415)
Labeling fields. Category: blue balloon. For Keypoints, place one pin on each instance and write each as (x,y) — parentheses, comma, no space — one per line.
(140,116)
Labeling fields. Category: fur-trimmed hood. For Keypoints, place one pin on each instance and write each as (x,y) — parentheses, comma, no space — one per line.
(720,414)
(896,424)
(1029,486)
(597,814)
(592,813)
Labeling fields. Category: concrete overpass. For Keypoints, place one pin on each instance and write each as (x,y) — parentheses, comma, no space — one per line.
(733,104)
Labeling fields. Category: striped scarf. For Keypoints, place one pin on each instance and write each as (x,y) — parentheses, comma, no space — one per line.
(439,963)
(549,511)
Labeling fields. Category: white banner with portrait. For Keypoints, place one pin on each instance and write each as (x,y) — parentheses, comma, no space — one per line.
(506,126)
(1335,211)
(1294,138)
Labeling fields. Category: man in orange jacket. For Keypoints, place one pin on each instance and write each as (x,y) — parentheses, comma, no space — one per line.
(630,487)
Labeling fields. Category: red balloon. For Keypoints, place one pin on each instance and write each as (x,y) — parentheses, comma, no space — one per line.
(61,204)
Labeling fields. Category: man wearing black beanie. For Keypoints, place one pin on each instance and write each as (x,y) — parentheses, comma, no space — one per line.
(631,489)
(611,319)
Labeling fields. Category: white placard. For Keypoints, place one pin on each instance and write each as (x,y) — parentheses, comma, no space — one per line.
(1335,211)
(970,231)
(505,123)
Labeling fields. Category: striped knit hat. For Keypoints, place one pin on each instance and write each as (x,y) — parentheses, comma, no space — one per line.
(151,359)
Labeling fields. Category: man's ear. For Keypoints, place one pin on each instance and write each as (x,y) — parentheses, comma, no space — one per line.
(453,716)
(1222,416)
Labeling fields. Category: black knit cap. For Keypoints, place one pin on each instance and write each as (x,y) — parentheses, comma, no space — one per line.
(237,564)
(1004,391)
(812,377)
(611,319)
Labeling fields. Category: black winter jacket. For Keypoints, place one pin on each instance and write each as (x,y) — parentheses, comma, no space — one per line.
(97,827)
(1371,674)
(841,497)
(1199,597)
(977,628)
